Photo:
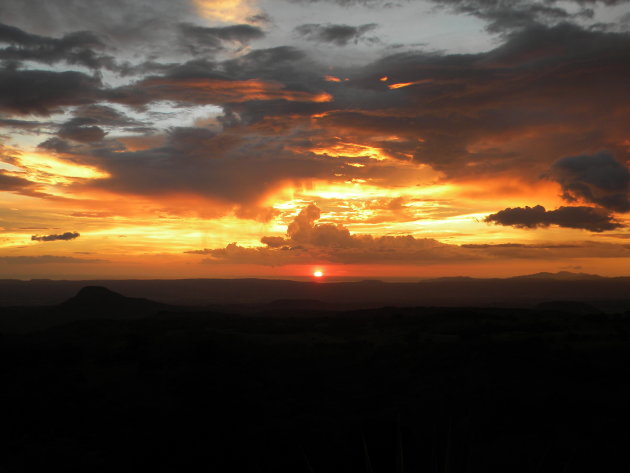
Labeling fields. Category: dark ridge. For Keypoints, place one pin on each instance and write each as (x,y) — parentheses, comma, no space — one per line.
(562,275)
(100,301)
(96,295)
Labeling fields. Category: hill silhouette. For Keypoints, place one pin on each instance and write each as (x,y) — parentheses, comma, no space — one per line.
(90,303)
(98,300)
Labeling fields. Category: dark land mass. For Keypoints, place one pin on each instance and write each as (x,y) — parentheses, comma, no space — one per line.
(523,291)
(103,382)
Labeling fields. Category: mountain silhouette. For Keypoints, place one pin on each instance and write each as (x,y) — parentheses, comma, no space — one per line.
(561,276)
(100,301)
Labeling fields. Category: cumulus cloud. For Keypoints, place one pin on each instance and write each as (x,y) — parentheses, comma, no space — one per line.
(309,242)
(61,237)
(339,35)
(597,178)
(586,218)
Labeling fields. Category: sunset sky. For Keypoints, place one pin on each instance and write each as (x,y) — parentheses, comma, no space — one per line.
(275,138)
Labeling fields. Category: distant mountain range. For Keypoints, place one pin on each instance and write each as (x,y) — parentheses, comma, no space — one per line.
(562,275)
(237,294)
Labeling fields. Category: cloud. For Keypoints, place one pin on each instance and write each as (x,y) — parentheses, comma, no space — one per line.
(351,3)
(21,124)
(43,92)
(203,91)
(339,35)
(74,48)
(309,242)
(79,129)
(104,115)
(597,178)
(510,15)
(587,218)
(228,168)
(118,21)
(200,39)
(14,183)
(543,93)
(48,259)
(62,237)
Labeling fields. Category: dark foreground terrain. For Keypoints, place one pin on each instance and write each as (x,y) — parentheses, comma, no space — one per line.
(113,384)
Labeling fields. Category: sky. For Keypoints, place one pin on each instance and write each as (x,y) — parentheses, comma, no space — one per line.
(274,138)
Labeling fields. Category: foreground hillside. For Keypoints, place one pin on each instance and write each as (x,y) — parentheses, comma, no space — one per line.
(384,390)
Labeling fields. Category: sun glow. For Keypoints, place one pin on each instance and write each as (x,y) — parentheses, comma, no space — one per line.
(318,273)
(227,11)
(47,169)
(351,150)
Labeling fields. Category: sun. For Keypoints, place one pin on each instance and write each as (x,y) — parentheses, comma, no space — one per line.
(318,274)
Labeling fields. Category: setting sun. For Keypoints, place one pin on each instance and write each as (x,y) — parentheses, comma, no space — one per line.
(318,274)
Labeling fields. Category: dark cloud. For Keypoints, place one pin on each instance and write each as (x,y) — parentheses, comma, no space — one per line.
(586,218)
(75,48)
(82,130)
(352,3)
(597,178)
(104,115)
(21,124)
(199,39)
(47,259)
(42,92)
(57,145)
(13,183)
(510,15)
(62,237)
(543,93)
(121,22)
(235,169)
(201,82)
(340,35)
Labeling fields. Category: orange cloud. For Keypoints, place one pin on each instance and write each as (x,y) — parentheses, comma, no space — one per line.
(332,79)
(215,91)
(400,85)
